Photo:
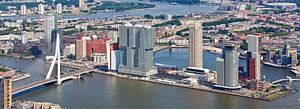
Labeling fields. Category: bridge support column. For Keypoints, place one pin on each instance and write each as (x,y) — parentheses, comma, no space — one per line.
(76,76)
(58,59)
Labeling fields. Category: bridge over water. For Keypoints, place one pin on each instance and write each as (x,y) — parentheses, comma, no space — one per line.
(37,84)
(289,79)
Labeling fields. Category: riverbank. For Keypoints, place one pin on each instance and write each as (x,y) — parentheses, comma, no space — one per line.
(19,57)
(197,87)
(294,70)
(210,49)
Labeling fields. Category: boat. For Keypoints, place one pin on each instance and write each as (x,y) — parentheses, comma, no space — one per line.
(174,3)
(82,78)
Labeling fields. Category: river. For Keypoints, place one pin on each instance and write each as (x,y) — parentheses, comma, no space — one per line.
(105,92)
(160,8)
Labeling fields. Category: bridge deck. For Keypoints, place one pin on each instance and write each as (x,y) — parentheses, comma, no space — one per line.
(39,80)
(282,80)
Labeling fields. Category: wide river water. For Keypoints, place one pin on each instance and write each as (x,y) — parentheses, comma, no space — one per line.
(160,8)
(105,92)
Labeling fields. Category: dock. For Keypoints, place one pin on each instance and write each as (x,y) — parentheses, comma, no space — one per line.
(195,87)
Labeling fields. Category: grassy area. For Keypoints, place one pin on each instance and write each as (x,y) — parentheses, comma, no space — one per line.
(24,54)
(276,95)
(276,24)
(69,32)
(224,21)
(181,31)
(8,31)
(122,6)
(3,70)
(266,31)
(169,23)
(274,11)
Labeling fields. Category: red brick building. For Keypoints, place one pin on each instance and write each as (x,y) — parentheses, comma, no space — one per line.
(96,46)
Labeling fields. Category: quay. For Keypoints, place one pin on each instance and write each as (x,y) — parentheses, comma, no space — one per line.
(272,64)
(295,70)
(194,87)
(207,48)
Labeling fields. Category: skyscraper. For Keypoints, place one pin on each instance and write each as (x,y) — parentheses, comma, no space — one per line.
(231,65)
(5,92)
(254,50)
(220,71)
(112,54)
(196,46)
(252,43)
(49,23)
(82,4)
(23,10)
(136,50)
(59,8)
(227,68)
(41,9)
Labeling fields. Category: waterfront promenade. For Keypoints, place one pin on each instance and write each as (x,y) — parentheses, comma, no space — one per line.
(197,87)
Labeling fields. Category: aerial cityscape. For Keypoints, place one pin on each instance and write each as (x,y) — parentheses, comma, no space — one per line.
(149,54)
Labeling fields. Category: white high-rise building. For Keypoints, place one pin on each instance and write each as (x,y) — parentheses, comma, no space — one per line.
(49,27)
(41,9)
(112,55)
(196,46)
(24,38)
(254,49)
(59,8)
(82,4)
(23,10)
(227,68)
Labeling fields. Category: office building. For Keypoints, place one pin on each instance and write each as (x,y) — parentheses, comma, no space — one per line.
(196,46)
(35,105)
(220,71)
(113,54)
(227,69)
(5,92)
(253,43)
(23,10)
(82,4)
(49,22)
(136,50)
(59,8)
(70,50)
(41,9)
(291,53)
(253,48)
(96,50)
(80,47)
(168,17)
(250,74)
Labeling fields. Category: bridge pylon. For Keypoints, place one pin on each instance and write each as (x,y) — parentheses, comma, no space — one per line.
(55,58)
